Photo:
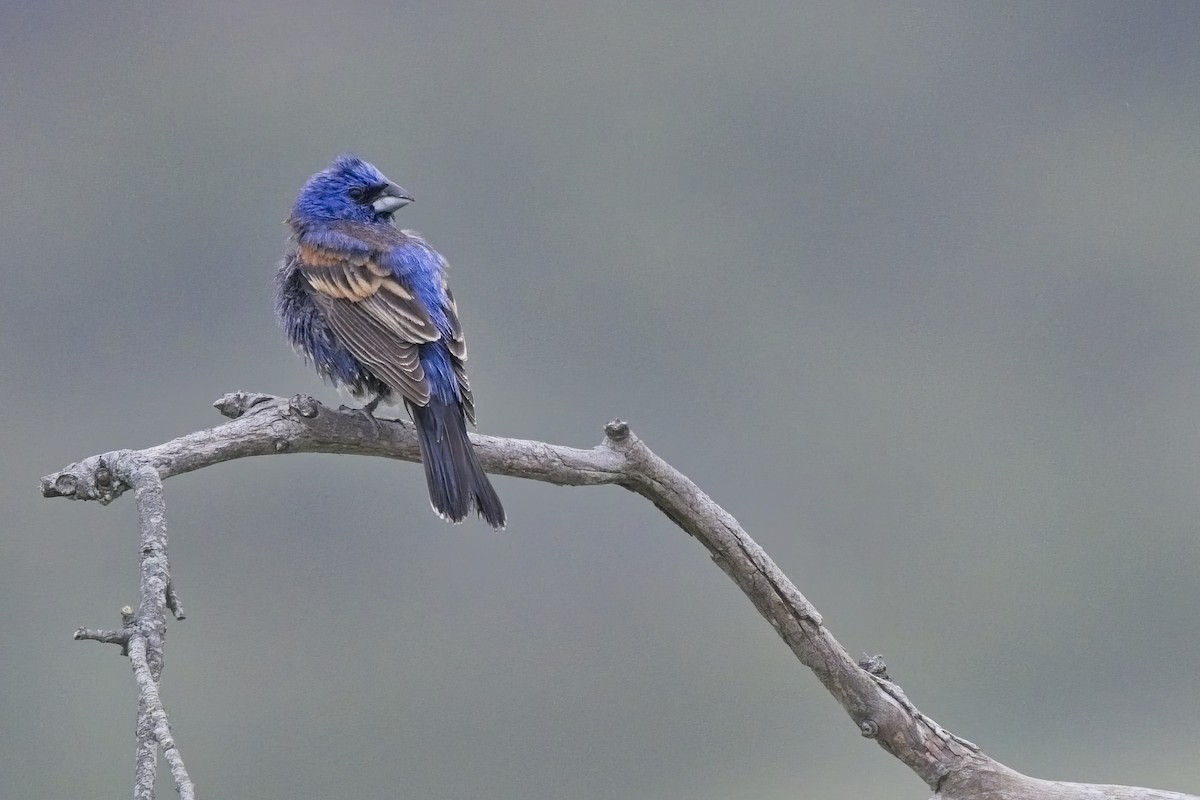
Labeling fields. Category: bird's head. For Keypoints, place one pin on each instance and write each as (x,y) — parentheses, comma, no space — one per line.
(351,189)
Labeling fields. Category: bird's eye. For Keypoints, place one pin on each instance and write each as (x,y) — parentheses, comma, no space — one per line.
(357,194)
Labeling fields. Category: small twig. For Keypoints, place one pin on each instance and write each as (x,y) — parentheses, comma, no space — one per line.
(173,603)
(108,637)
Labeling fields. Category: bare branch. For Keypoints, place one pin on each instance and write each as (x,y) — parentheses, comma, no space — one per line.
(143,633)
(263,425)
(272,425)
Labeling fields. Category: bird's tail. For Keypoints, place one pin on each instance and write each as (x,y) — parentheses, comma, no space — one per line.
(457,483)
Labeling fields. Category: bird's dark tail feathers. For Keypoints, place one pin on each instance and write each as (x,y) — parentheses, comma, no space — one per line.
(457,483)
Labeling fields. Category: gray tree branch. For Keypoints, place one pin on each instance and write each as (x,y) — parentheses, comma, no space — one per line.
(143,634)
(953,767)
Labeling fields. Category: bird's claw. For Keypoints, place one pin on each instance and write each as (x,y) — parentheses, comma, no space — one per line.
(368,412)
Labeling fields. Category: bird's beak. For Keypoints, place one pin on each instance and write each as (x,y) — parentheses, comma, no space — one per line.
(391,199)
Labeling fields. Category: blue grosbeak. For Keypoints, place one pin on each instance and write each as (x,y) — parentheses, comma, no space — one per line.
(368,305)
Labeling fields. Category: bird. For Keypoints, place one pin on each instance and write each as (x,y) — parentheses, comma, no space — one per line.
(368,305)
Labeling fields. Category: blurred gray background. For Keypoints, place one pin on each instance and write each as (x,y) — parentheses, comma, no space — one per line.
(909,288)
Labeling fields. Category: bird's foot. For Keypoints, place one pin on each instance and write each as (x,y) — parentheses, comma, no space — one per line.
(367,411)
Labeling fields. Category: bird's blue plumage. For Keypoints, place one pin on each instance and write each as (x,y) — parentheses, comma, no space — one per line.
(369,305)
(325,197)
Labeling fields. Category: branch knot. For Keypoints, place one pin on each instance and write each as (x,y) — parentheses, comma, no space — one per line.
(617,430)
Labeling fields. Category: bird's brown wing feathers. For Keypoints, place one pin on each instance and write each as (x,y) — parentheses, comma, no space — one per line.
(378,320)
(458,355)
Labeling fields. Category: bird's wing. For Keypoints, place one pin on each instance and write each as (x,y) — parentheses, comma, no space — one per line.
(378,320)
(458,356)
